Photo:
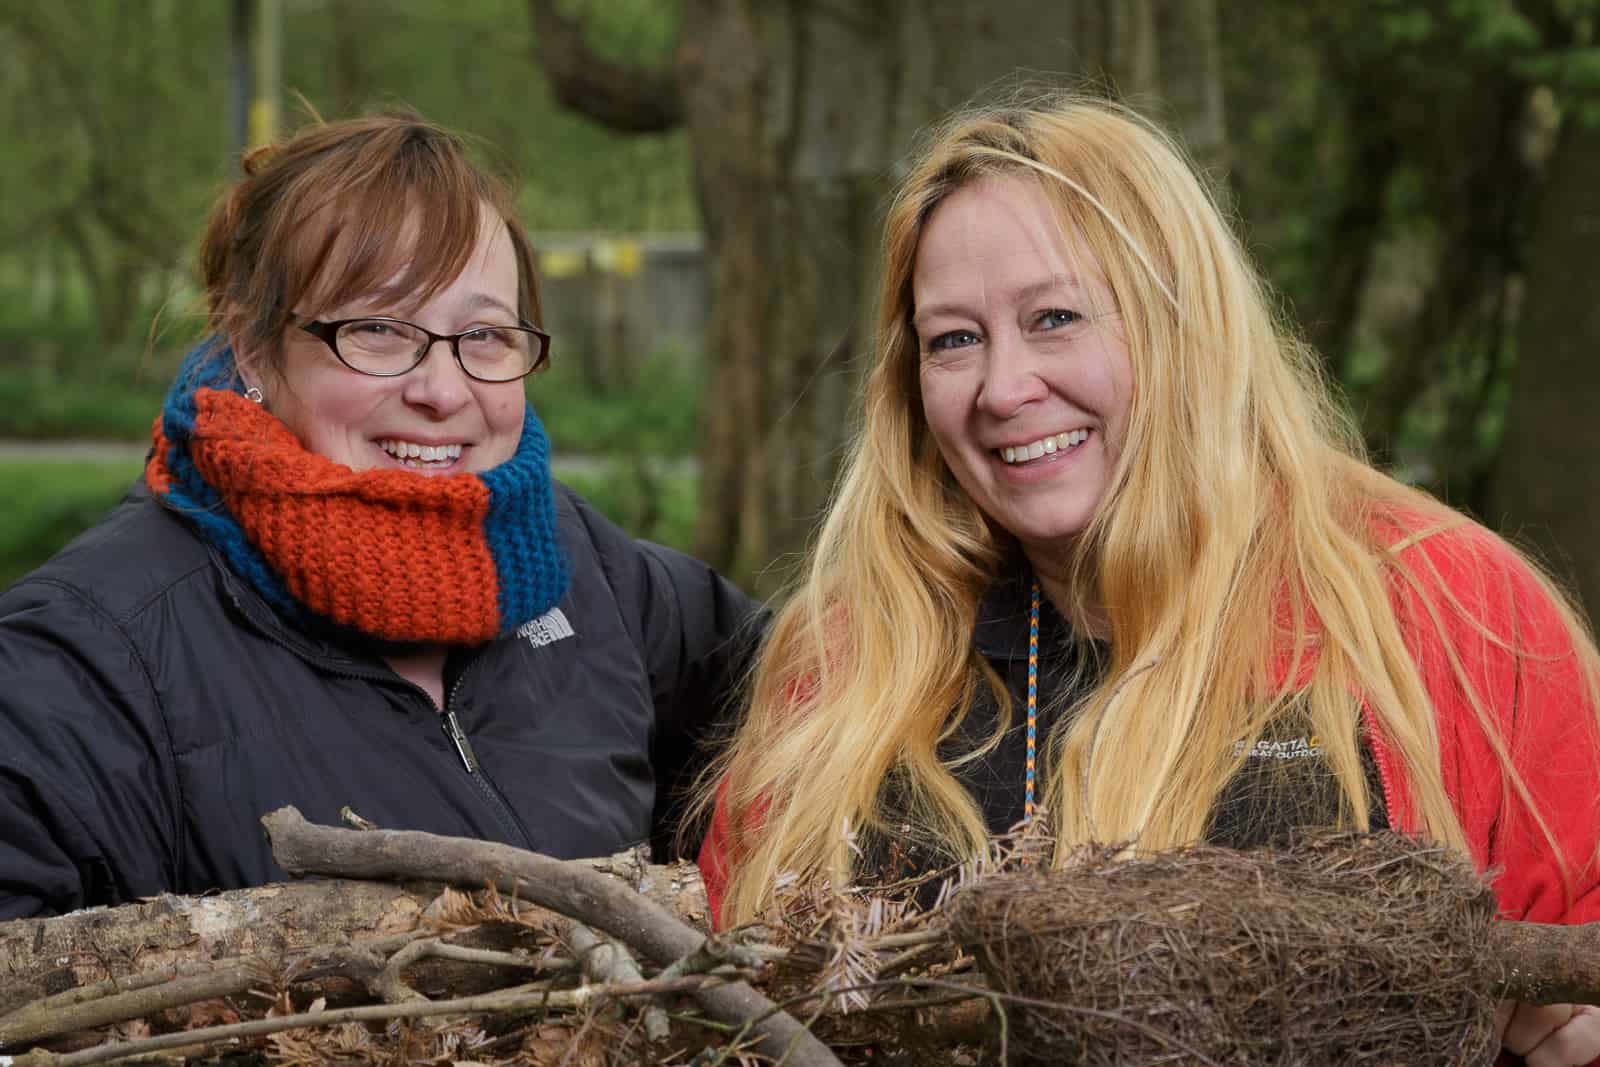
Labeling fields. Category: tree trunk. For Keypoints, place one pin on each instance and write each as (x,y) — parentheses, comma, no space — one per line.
(1546,484)
(796,114)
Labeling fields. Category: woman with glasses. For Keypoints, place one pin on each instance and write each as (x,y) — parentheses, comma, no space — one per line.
(348,579)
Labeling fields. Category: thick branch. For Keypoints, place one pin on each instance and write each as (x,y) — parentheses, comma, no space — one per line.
(574,889)
(1548,964)
(625,98)
(362,963)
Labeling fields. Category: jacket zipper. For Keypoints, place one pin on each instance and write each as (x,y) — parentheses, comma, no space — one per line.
(479,778)
(1398,820)
(458,737)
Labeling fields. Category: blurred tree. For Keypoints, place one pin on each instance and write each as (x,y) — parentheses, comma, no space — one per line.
(795,115)
(1387,158)
(1547,480)
(120,120)
(95,103)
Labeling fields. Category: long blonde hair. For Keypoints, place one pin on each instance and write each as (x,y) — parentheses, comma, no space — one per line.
(1239,554)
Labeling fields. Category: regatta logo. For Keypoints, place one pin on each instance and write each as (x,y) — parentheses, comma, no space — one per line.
(547,629)
(1286,748)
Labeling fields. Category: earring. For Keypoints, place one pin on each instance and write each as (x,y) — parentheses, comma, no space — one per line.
(254,395)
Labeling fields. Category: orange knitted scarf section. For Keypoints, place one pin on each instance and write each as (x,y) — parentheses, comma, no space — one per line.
(391,553)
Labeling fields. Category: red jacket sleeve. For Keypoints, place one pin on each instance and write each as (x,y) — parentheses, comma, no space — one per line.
(713,858)
(1508,638)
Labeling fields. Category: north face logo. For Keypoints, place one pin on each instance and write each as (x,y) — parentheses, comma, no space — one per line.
(548,628)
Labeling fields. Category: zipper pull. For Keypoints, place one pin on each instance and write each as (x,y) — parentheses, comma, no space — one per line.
(458,737)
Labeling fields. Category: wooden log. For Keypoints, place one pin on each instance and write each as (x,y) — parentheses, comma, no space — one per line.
(175,934)
(1547,964)
(172,935)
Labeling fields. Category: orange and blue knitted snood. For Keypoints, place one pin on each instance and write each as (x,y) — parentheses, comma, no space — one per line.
(397,555)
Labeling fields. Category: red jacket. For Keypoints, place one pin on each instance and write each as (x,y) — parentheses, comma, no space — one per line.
(1512,644)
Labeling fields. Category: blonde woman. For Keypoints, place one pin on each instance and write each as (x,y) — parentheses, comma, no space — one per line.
(1084,422)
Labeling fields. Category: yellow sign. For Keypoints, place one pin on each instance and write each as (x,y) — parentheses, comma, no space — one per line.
(561,263)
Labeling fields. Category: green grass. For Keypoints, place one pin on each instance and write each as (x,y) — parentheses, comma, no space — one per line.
(49,503)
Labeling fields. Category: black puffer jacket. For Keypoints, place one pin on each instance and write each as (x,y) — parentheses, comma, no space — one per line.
(152,708)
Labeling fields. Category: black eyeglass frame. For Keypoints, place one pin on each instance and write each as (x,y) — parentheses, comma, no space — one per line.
(328,334)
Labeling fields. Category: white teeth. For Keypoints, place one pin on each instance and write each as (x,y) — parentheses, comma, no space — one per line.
(414,455)
(1060,442)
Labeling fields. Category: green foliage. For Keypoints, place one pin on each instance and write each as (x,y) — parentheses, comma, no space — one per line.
(471,66)
(657,415)
(49,503)
(40,404)
(628,31)
(1576,70)
(654,501)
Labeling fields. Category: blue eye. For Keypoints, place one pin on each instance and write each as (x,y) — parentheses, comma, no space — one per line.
(1055,318)
(954,339)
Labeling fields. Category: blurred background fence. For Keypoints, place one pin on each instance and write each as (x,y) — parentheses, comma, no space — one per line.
(622,299)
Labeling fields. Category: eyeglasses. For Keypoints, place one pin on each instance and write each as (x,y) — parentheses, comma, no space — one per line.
(387,348)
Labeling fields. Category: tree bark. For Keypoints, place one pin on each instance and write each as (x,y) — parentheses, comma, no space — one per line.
(41,957)
(1546,484)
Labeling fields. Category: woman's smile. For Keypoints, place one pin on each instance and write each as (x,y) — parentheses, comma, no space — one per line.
(419,455)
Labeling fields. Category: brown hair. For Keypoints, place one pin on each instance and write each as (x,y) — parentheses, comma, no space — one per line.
(335,212)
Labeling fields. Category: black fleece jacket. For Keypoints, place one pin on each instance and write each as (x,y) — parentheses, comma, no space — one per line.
(153,707)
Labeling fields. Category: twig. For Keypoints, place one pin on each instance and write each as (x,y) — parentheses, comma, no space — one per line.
(572,1043)
(390,986)
(504,1001)
(575,889)
(362,961)
(606,960)
(712,953)
(83,994)
(350,818)
(997,996)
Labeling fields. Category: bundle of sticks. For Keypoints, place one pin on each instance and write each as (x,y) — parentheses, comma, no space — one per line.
(1350,949)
